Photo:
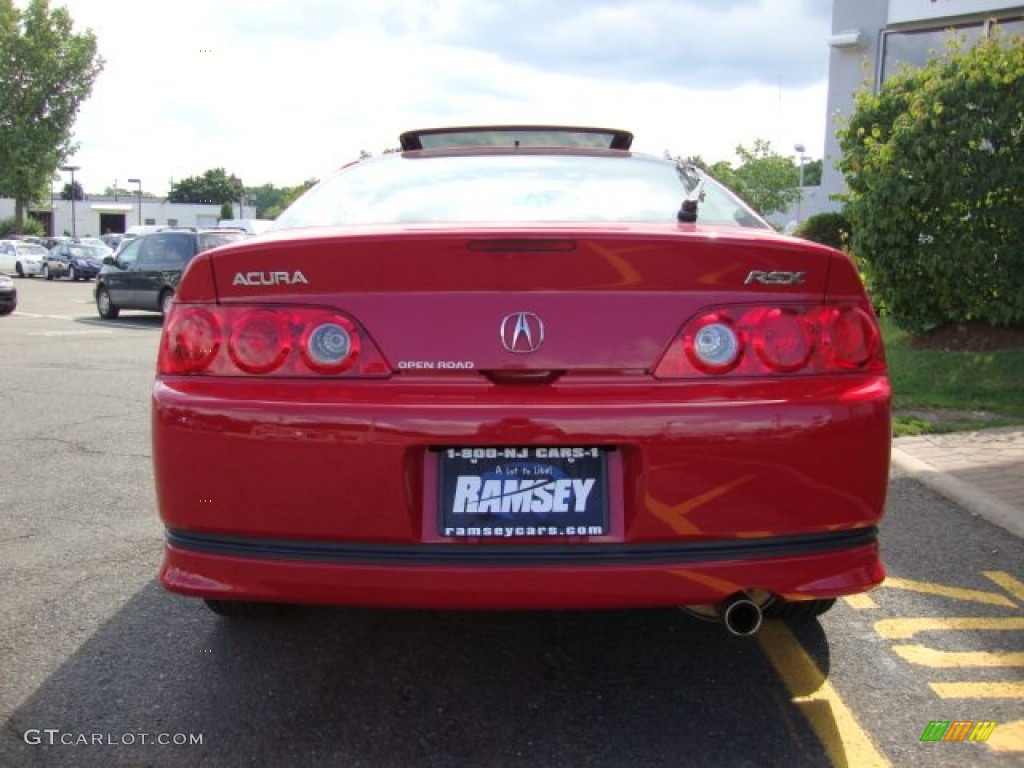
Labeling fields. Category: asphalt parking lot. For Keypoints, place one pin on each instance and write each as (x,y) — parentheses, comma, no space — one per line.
(100,666)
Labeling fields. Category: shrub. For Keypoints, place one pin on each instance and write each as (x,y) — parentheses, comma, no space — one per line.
(31,226)
(826,228)
(935,166)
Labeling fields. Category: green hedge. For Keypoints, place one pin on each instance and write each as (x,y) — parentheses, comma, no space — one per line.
(935,166)
(826,228)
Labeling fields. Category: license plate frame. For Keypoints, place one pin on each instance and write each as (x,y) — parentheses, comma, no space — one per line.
(557,492)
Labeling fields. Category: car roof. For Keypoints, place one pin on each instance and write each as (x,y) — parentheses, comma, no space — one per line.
(516,136)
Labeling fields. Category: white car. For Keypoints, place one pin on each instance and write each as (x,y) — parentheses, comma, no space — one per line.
(21,258)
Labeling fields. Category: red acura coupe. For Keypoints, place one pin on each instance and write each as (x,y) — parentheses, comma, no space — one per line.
(522,367)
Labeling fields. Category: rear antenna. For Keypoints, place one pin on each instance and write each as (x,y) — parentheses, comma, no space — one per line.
(695,176)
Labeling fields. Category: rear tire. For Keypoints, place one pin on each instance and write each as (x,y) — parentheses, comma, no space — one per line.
(243,609)
(798,610)
(18,268)
(46,272)
(108,309)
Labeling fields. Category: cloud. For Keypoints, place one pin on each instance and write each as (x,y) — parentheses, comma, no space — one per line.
(281,92)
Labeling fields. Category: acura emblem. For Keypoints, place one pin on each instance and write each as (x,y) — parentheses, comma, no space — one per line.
(522,332)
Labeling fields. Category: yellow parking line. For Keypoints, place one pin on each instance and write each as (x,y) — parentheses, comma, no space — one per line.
(1007,582)
(1014,690)
(835,725)
(902,629)
(861,602)
(929,657)
(957,593)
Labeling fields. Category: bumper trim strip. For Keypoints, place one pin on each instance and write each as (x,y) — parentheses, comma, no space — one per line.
(522,555)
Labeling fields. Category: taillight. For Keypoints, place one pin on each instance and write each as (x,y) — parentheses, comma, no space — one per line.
(767,340)
(712,344)
(330,344)
(260,341)
(264,341)
(190,341)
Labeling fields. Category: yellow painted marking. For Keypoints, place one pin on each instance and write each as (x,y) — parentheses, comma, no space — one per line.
(974,595)
(861,602)
(838,730)
(902,629)
(1007,737)
(1007,582)
(1014,690)
(929,657)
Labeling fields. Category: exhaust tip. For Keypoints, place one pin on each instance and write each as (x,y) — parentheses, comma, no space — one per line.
(741,615)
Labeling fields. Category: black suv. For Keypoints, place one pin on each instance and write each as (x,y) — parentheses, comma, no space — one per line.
(144,274)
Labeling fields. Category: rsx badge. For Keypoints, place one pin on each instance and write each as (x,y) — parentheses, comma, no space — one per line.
(775,278)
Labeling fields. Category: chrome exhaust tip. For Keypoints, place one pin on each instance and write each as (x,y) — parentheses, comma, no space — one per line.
(740,615)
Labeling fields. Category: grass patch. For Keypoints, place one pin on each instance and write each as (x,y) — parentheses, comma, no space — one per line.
(942,391)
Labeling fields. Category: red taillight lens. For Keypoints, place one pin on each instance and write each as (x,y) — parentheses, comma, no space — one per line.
(852,337)
(766,340)
(286,341)
(783,339)
(190,341)
(260,341)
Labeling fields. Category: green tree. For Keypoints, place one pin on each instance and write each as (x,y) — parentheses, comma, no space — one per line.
(76,189)
(812,173)
(46,72)
(215,186)
(934,163)
(265,197)
(289,196)
(768,181)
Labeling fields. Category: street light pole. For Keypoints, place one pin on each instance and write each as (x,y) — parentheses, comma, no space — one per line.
(801,149)
(71,169)
(139,194)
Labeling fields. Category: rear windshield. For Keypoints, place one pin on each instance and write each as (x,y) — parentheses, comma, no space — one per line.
(513,187)
(31,250)
(208,240)
(88,251)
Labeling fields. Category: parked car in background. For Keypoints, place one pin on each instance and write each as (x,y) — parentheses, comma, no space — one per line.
(144,273)
(522,367)
(76,261)
(21,258)
(8,295)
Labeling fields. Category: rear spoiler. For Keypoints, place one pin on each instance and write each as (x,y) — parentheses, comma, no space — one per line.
(516,136)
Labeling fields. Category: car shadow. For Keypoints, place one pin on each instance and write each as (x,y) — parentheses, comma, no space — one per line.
(143,321)
(323,686)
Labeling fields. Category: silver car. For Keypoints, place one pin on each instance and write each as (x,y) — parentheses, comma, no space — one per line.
(21,258)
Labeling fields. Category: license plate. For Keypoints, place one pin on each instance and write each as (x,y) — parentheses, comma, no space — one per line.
(523,492)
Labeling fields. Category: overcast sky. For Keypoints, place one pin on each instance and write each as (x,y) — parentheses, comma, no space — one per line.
(283,90)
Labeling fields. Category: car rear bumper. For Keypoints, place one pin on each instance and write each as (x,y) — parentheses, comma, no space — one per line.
(299,491)
(493,582)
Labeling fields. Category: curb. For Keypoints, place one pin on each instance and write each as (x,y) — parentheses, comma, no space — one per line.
(971,498)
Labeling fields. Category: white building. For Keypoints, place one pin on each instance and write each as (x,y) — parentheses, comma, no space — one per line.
(869,40)
(99,214)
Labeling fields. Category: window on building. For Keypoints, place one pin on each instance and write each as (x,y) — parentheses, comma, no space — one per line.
(150,222)
(914,47)
(172,222)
